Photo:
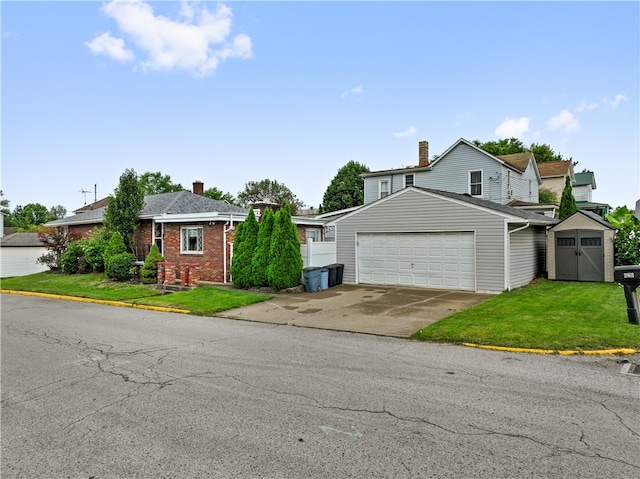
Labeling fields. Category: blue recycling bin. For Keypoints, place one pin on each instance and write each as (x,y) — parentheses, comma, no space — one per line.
(324,278)
(312,279)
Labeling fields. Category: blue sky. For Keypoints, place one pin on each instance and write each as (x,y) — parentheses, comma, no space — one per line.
(233,92)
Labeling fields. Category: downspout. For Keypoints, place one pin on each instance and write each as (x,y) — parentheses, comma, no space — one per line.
(225,230)
(507,256)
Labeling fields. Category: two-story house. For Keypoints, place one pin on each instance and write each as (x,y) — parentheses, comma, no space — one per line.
(464,169)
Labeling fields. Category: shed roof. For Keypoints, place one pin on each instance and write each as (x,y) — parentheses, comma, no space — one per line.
(592,216)
(23,240)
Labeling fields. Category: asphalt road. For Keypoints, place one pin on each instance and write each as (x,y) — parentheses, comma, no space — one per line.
(92,391)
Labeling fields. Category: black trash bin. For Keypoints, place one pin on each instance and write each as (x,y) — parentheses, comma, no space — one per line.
(339,272)
(333,274)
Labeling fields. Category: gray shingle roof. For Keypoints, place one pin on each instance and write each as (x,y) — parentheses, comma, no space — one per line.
(21,239)
(491,205)
(179,202)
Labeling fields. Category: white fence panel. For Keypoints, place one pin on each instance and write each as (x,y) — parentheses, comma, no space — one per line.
(318,253)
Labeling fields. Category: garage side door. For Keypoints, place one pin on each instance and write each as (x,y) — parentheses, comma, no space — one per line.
(430,260)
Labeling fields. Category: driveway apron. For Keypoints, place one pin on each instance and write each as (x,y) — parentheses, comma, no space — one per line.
(380,310)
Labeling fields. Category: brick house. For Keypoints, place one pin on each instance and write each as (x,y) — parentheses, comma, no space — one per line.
(189,229)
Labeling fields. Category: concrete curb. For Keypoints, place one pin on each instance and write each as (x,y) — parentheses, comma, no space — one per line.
(96,301)
(552,351)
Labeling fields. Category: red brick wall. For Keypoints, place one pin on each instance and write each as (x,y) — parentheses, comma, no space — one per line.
(82,230)
(211,259)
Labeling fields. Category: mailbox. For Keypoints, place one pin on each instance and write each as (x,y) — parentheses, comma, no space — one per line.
(629,278)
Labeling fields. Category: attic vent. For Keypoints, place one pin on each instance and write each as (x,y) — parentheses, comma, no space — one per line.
(257,212)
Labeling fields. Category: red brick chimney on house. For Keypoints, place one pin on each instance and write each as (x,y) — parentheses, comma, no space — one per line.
(198,188)
(423,153)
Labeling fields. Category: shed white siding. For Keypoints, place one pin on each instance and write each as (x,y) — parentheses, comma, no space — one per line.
(20,261)
(413,211)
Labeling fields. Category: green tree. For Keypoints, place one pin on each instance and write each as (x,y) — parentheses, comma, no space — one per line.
(156,183)
(29,217)
(124,208)
(243,251)
(505,146)
(544,153)
(260,261)
(115,246)
(270,190)
(4,204)
(94,247)
(285,259)
(567,202)
(149,270)
(216,194)
(346,189)
(547,197)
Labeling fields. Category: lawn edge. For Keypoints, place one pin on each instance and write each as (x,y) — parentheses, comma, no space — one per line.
(96,301)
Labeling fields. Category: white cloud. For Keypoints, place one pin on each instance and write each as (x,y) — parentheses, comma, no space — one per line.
(198,41)
(114,48)
(356,90)
(615,103)
(564,121)
(512,127)
(408,132)
(584,106)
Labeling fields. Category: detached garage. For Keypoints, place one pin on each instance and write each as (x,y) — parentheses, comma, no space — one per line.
(435,239)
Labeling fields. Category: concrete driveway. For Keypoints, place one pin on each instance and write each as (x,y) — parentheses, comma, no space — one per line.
(381,310)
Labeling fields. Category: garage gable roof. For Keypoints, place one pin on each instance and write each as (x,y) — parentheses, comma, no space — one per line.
(512,215)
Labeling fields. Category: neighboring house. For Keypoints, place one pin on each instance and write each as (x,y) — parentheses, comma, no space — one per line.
(583,185)
(464,169)
(554,174)
(18,254)
(188,228)
(438,239)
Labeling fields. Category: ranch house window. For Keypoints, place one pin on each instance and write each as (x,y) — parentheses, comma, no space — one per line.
(191,240)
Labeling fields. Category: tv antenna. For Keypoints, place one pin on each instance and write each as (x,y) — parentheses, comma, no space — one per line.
(84,192)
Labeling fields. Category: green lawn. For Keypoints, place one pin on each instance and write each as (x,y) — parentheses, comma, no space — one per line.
(544,315)
(203,300)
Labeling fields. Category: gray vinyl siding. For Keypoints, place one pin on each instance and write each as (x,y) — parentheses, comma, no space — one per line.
(416,212)
(451,173)
(525,187)
(527,255)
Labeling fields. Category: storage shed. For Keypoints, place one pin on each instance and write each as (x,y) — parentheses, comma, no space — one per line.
(580,248)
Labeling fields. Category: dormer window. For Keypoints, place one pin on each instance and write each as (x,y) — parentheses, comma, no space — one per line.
(475,183)
(408,180)
(384,188)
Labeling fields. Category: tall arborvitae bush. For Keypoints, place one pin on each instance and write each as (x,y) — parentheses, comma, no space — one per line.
(260,261)
(115,246)
(285,259)
(149,270)
(567,202)
(243,250)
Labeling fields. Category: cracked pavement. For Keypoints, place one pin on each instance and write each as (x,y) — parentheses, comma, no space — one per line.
(92,391)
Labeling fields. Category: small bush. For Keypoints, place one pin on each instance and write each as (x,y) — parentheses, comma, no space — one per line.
(115,246)
(70,258)
(150,267)
(94,248)
(119,267)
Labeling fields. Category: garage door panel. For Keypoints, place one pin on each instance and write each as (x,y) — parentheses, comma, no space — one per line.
(434,260)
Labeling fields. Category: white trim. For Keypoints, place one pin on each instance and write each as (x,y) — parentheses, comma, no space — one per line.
(386,180)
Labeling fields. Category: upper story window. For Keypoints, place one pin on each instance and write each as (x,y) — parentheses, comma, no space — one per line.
(475,183)
(408,180)
(191,239)
(384,188)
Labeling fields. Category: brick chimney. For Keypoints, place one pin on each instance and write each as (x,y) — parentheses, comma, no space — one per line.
(423,153)
(198,188)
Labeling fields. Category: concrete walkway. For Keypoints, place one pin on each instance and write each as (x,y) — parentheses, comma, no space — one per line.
(381,310)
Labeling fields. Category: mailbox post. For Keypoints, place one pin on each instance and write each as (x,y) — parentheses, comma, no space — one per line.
(629,278)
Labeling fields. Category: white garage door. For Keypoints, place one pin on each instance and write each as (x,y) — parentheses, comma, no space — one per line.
(430,260)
